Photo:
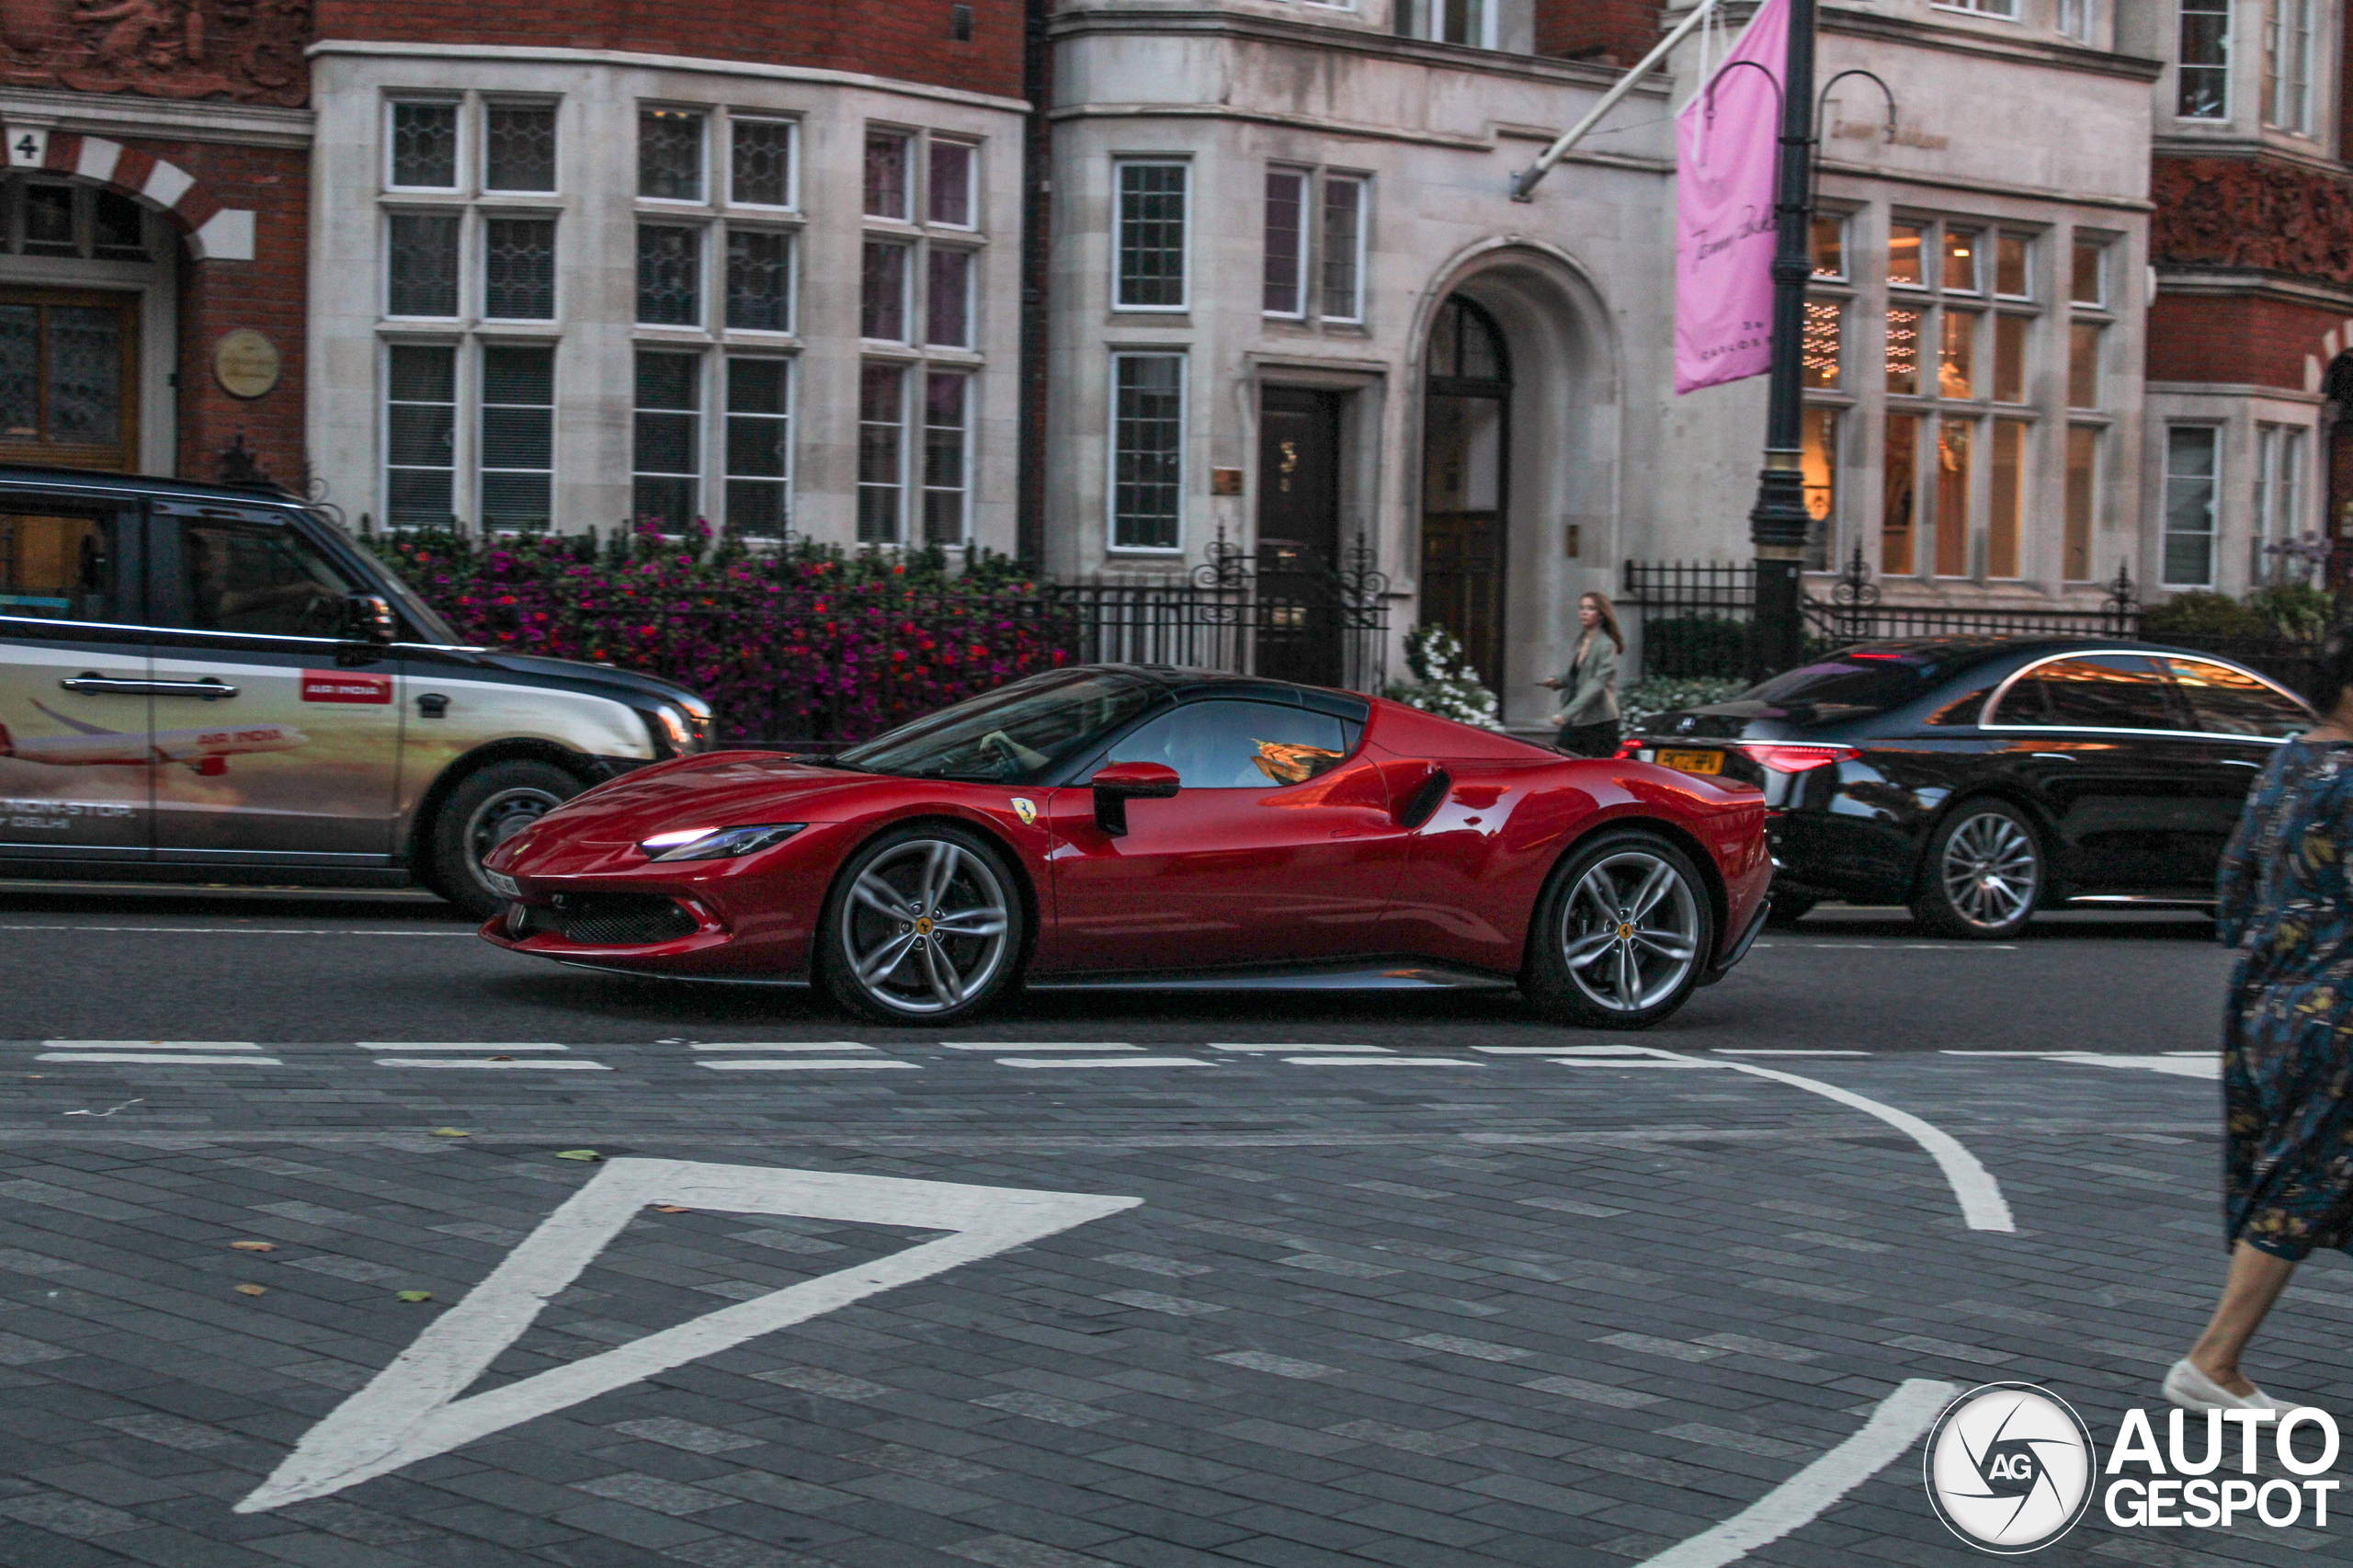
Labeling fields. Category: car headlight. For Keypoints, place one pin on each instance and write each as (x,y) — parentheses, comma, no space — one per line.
(717,842)
(501,883)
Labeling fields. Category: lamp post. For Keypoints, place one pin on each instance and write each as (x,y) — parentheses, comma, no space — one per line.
(1776,526)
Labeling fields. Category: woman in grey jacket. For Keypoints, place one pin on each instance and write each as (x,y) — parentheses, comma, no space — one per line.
(1588,687)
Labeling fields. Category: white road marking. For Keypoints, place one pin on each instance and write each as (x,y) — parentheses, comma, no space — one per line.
(1983,1207)
(234,931)
(1893,1427)
(540,1066)
(2205,1064)
(799,1045)
(1102,1061)
(1278,1050)
(803,1065)
(1561,1049)
(501,1047)
(1730,1050)
(411,1410)
(1380,1061)
(149,1045)
(1035,1045)
(183,1059)
(1628,1062)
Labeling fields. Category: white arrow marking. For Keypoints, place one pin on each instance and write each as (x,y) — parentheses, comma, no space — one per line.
(411,1410)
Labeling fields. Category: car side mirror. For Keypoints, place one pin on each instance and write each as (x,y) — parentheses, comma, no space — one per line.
(368,618)
(1115,785)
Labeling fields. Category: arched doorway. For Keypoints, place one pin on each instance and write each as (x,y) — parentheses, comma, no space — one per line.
(1466,471)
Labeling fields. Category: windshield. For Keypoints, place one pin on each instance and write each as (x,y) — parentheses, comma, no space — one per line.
(1015,735)
(1860,681)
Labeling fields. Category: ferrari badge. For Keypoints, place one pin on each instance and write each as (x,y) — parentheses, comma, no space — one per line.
(1025,809)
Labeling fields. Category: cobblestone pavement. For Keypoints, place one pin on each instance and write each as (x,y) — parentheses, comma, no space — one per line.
(1450,1301)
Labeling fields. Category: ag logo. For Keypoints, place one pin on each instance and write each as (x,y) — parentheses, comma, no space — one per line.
(1025,809)
(2010,1468)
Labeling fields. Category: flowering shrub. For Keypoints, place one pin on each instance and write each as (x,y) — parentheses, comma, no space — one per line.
(1444,683)
(1648,699)
(812,644)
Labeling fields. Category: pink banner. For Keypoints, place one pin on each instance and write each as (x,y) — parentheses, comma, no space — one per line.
(1727,142)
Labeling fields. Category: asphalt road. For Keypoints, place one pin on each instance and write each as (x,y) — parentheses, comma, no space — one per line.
(108,963)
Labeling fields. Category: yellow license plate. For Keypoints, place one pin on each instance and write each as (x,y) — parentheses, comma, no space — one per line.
(1691,761)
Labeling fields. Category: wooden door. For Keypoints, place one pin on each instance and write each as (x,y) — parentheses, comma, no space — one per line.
(69,379)
(1299,535)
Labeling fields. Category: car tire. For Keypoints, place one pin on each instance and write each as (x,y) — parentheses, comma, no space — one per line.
(1623,931)
(879,954)
(486,810)
(1984,873)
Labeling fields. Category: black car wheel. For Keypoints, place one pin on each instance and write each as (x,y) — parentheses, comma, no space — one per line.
(1984,873)
(483,811)
(1622,932)
(924,927)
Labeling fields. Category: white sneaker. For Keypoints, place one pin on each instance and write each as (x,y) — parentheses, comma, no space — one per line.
(2194,1390)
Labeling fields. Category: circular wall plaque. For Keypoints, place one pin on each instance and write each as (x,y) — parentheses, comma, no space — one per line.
(246,363)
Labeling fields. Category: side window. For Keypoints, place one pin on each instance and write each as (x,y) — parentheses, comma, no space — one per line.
(59,567)
(2226,701)
(1241,745)
(2097,691)
(257,576)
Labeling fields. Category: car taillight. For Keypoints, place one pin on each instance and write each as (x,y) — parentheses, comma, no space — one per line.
(1785,758)
(1628,749)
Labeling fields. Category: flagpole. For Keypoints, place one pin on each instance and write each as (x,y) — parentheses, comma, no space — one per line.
(1776,526)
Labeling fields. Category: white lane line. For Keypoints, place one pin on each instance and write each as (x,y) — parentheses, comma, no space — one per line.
(417,1405)
(1983,1207)
(797,1045)
(183,1059)
(487,1045)
(1893,1427)
(1380,1061)
(575,1066)
(803,1065)
(1614,1062)
(1561,1049)
(1036,1045)
(1102,1061)
(2205,1064)
(149,1045)
(1278,1050)
(233,931)
(1730,1050)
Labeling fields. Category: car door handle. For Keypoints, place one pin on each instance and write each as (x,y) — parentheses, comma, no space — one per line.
(2055,756)
(2241,762)
(209,689)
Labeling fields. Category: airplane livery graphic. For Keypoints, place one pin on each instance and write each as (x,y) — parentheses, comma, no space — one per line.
(205,752)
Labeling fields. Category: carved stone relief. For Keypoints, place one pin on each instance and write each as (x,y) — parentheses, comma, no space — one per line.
(247,50)
(2238,212)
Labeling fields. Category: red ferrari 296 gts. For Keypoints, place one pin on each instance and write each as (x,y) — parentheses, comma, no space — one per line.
(1121,826)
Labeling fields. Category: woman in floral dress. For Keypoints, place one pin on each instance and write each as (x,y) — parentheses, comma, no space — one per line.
(2286,903)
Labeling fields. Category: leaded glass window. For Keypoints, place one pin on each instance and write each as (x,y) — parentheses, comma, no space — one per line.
(761,171)
(883,302)
(759,447)
(950,199)
(421,250)
(667,460)
(881,452)
(425,146)
(948,299)
(518,268)
(669,274)
(886,174)
(1148,450)
(669,155)
(946,459)
(1151,236)
(760,279)
(420,435)
(517,453)
(518,147)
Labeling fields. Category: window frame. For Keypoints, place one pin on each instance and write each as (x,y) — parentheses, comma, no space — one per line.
(475,467)
(2227,10)
(910,372)
(1359,248)
(702,230)
(702,115)
(924,489)
(459,437)
(789,378)
(972,182)
(457,104)
(2214,480)
(1993,10)
(1121,164)
(449,212)
(2296,48)
(699,447)
(1305,179)
(482,113)
(1111,448)
(482,220)
(1988,717)
(791,124)
(908,138)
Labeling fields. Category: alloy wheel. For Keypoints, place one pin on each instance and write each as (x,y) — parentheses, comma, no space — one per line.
(503,816)
(1990,872)
(924,925)
(1631,931)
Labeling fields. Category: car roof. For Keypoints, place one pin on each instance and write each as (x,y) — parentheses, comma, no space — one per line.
(178,489)
(1190,683)
(1976,649)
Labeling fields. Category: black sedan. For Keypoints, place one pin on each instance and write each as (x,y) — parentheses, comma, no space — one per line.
(1978,779)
